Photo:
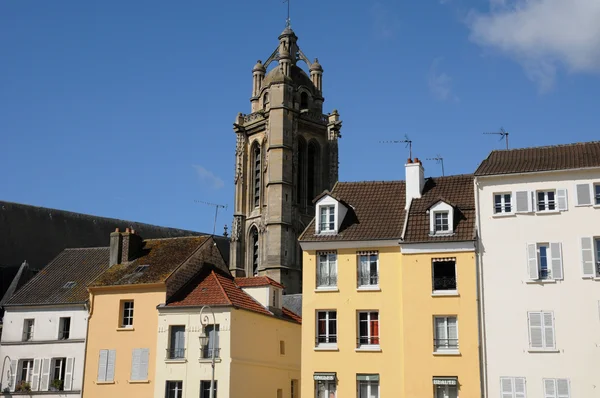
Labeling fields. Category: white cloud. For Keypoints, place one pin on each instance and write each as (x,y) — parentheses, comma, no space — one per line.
(542,35)
(208,177)
(385,22)
(440,84)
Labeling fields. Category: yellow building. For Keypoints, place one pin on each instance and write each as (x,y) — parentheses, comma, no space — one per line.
(389,274)
(122,339)
(255,340)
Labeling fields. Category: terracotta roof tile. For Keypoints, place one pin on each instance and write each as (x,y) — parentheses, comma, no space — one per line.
(257,281)
(547,158)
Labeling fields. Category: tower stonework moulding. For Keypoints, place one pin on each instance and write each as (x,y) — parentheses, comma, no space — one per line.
(286,154)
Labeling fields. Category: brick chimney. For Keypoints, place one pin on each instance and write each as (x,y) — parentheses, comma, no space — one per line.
(132,245)
(415,180)
(116,240)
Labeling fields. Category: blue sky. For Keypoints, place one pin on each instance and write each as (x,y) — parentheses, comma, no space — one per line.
(125,108)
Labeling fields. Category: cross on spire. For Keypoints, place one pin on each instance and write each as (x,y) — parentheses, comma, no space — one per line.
(288,22)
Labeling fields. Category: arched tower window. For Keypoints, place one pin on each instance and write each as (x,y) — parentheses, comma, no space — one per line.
(313,170)
(265,101)
(303,100)
(301,173)
(255,249)
(256,167)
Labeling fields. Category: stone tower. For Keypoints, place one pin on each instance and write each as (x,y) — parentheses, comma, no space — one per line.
(286,154)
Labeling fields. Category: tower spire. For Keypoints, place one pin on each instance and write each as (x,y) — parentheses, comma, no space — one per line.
(288,22)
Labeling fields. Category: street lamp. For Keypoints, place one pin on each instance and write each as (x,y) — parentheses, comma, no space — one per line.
(9,373)
(205,339)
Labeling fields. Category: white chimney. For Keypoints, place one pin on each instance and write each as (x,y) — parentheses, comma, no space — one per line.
(415,180)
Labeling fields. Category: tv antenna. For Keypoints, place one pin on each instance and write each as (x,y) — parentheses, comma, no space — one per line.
(406,141)
(217,207)
(440,160)
(503,135)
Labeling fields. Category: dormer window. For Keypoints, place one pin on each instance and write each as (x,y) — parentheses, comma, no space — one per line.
(327,219)
(441,221)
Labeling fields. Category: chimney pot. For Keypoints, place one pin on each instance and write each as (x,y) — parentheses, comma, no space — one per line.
(417,160)
(409,160)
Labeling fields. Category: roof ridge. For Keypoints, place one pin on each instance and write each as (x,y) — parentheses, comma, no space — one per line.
(212,272)
(547,146)
(86,248)
(179,237)
(370,182)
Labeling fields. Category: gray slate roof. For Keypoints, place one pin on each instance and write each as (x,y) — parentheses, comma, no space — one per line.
(293,302)
(81,266)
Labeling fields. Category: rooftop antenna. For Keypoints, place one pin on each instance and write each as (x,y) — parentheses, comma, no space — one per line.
(217,207)
(406,141)
(503,134)
(288,22)
(440,160)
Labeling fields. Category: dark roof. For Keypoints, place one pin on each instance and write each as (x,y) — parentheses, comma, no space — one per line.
(162,256)
(293,302)
(72,265)
(22,276)
(455,190)
(376,212)
(546,158)
(257,281)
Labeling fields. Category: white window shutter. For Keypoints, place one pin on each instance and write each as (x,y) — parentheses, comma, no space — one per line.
(549,388)
(13,374)
(536,339)
(549,335)
(562,199)
(520,387)
(523,202)
(144,357)
(110,365)
(532,261)
(135,364)
(35,377)
(45,374)
(506,387)
(556,256)
(562,388)
(102,360)
(584,197)
(587,257)
(69,374)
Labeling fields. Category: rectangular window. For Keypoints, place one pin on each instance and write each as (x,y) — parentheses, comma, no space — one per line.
(446,391)
(502,203)
(276,298)
(326,327)
(176,348)
(512,387)
(597,243)
(127,314)
(325,389)
(445,333)
(213,342)
(174,389)
(441,221)
(368,269)
(444,274)
(368,328)
(327,269)
(544,261)
(205,389)
(58,374)
(541,330)
(294,389)
(26,370)
(106,365)
(64,328)
(546,200)
(327,218)
(281,347)
(368,386)
(557,388)
(597,194)
(279,393)
(28,329)
(139,363)
(543,250)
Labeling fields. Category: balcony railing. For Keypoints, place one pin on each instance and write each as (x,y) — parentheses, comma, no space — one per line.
(444,283)
(326,281)
(326,339)
(445,344)
(207,352)
(175,353)
(363,340)
(368,280)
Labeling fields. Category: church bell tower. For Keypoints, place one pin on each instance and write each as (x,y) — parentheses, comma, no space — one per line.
(286,154)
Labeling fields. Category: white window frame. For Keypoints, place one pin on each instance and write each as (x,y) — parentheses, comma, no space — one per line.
(61,328)
(329,212)
(546,201)
(441,215)
(360,278)
(328,388)
(443,292)
(369,345)
(330,260)
(328,335)
(370,385)
(554,262)
(447,390)
(503,203)
(28,329)
(445,349)
(29,368)
(546,346)
(596,194)
(178,390)
(555,382)
(548,261)
(513,391)
(127,313)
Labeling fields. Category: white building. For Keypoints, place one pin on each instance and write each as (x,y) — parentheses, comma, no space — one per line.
(538,212)
(45,326)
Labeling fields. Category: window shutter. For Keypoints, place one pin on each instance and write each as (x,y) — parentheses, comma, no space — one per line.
(532,261)
(144,354)
(587,257)
(13,378)
(562,388)
(523,201)
(584,197)
(556,255)
(69,374)
(562,199)
(520,387)
(506,387)
(35,377)
(549,388)
(548,318)
(102,359)
(110,365)
(135,364)
(536,339)
(45,374)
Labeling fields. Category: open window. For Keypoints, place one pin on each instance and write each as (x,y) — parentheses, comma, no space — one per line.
(444,276)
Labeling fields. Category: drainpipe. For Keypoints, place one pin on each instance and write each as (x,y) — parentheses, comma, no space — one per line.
(480,301)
